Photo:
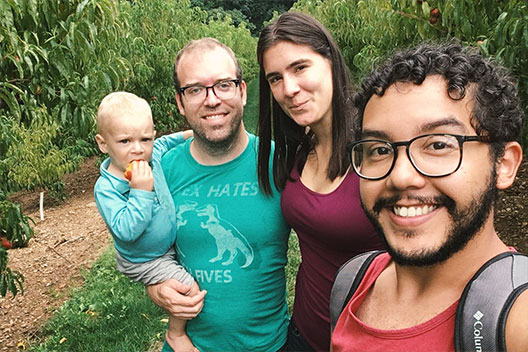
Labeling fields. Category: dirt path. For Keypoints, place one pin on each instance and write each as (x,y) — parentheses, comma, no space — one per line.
(73,235)
(69,239)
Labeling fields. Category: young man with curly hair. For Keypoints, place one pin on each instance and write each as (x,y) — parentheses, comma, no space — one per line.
(438,128)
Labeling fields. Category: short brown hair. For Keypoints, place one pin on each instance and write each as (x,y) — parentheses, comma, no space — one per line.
(206,43)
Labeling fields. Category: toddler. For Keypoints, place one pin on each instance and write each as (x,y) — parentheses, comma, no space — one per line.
(140,213)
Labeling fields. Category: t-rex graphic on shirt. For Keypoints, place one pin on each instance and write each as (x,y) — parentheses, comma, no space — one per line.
(227,237)
(182,208)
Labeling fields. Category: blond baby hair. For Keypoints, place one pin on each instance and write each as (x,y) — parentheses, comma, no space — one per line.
(117,105)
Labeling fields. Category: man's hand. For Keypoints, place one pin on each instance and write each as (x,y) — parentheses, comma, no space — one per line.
(171,296)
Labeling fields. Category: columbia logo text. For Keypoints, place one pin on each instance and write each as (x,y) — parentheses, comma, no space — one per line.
(477,330)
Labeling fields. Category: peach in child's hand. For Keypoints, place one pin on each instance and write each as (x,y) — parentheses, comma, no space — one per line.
(128,170)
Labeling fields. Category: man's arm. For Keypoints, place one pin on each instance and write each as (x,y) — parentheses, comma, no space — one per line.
(171,296)
(517,325)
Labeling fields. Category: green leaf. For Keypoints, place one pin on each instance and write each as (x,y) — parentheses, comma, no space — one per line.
(421,31)
(29,63)
(18,65)
(61,68)
(515,29)
(9,98)
(80,7)
(426,10)
(65,114)
(107,80)
(502,17)
(3,280)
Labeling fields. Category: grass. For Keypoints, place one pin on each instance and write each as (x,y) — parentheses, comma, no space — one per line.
(108,313)
(111,313)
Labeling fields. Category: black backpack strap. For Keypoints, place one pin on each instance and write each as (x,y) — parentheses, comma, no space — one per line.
(347,280)
(486,302)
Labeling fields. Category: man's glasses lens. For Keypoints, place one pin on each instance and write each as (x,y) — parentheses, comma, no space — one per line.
(224,90)
(372,159)
(433,155)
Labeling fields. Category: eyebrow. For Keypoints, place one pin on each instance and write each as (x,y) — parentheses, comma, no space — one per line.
(293,64)
(424,128)
(374,134)
(203,85)
(448,121)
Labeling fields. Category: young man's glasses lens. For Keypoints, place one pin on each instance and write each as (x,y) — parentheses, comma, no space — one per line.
(432,155)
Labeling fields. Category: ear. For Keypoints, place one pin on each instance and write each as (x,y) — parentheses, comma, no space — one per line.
(180,103)
(508,165)
(101,143)
(243,91)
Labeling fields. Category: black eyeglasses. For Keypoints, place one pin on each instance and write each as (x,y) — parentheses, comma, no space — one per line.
(432,155)
(223,90)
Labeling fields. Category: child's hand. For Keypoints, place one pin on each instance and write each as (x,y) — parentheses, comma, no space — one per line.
(187,134)
(141,176)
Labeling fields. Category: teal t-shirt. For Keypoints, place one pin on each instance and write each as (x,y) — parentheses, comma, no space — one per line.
(233,240)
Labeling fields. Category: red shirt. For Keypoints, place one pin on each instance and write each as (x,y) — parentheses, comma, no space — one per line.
(351,334)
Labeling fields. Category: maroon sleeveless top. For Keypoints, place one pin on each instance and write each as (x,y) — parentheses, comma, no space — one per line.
(332,228)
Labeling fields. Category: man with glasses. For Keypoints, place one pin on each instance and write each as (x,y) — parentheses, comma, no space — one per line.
(230,237)
(437,130)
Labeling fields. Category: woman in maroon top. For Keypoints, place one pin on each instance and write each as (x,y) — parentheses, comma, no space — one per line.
(309,116)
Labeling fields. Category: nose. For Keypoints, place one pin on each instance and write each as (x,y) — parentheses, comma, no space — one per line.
(137,148)
(210,97)
(291,86)
(404,175)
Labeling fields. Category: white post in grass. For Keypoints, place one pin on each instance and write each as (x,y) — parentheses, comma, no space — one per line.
(41,206)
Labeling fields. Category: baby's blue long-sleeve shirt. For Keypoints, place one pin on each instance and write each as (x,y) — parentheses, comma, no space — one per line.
(142,223)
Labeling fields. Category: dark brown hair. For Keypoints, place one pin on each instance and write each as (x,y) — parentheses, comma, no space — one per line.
(291,140)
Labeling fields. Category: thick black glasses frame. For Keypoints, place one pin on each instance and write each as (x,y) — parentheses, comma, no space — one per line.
(235,81)
(394,145)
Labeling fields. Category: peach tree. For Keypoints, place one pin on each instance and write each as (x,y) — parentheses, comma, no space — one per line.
(59,58)
(15,231)
(367,31)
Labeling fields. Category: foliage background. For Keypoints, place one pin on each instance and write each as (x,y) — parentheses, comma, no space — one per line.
(57,62)
(253,13)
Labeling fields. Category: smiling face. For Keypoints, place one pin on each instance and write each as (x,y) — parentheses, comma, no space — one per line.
(126,137)
(215,122)
(426,220)
(301,82)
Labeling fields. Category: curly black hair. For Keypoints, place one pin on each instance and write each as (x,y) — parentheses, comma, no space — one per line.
(497,115)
